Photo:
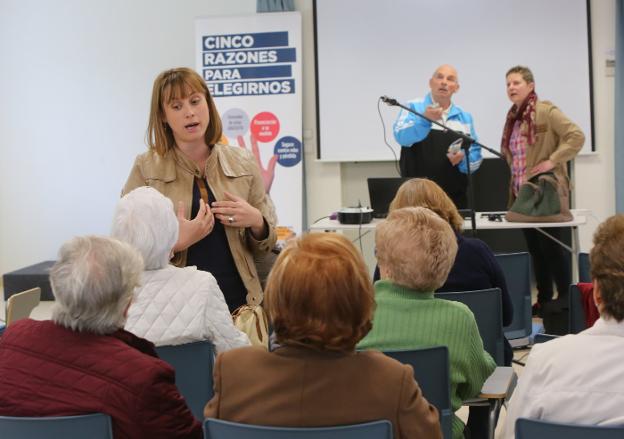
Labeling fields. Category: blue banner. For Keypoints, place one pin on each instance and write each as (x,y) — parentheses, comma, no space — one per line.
(244,41)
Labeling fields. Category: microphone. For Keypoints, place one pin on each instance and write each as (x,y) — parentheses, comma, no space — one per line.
(388,101)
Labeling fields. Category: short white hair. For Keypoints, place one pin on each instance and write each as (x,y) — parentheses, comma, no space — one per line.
(145,219)
(93,281)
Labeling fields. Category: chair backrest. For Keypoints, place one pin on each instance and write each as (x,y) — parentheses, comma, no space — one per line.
(218,429)
(432,372)
(517,270)
(486,306)
(584,267)
(193,364)
(93,426)
(543,338)
(20,305)
(576,317)
(533,429)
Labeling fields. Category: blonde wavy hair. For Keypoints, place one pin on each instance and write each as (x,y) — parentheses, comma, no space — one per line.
(420,192)
(415,248)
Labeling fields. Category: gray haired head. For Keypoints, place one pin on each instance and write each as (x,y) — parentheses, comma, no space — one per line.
(93,281)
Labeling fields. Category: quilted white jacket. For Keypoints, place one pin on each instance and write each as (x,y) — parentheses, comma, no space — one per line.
(175,305)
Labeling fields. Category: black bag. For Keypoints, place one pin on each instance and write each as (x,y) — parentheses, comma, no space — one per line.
(556,316)
(543,199)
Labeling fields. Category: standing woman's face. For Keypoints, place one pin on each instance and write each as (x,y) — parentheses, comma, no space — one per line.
(517,88)
(188,117)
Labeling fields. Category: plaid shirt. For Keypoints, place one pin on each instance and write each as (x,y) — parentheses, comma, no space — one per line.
(517,146)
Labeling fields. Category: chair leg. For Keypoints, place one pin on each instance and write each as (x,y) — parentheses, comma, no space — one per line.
(495,406)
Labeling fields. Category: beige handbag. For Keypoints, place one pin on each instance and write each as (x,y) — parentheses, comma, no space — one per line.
(253,321)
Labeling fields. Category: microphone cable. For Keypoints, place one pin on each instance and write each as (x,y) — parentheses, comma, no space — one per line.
(383,125)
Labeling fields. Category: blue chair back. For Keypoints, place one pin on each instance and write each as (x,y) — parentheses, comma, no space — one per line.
(517,270)
(218,429)
(584,267)
(543,338)
(533,429)
(432,372)
(486,305)
(193,364)
(576,317)
(92,426)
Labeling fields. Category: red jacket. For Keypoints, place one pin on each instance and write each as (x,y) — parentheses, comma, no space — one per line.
(48,370)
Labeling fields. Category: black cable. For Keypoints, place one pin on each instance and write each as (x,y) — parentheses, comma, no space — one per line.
(383,125)
(321,218)
(360,227)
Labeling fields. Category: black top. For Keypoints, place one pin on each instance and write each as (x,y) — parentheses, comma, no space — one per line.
(427,159)
(213,254)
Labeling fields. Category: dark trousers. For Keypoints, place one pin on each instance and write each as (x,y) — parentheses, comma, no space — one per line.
(477,425)
(550,262)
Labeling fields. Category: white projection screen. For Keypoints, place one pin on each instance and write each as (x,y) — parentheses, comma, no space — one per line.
(369,48)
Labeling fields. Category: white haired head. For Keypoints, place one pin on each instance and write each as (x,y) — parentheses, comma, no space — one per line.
(145,219)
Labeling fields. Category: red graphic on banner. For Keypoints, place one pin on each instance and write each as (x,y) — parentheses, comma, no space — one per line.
(265,126)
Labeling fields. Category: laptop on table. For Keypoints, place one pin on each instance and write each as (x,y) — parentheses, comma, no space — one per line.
(381,192)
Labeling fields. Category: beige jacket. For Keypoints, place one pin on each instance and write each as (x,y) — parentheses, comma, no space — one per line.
(228,169)
(558,139)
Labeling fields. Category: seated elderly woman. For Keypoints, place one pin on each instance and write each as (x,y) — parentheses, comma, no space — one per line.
(475,267)
(578,379)
(415,250)
(172,305)
(82,361)
(320,300)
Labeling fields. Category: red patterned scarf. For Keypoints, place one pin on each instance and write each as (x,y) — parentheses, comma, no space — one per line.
(526,114)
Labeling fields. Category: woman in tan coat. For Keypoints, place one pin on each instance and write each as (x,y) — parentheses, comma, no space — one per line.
(221,203)
(539,138)
(320,300)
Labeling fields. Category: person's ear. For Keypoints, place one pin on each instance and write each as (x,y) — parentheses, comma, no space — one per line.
(383,271)
(532,86)
(597,295)
(125,313)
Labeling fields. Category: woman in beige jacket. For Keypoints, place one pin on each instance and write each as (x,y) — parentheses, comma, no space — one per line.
(539,138)
(221,203)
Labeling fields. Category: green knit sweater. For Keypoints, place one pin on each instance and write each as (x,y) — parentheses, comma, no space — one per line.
(408,319)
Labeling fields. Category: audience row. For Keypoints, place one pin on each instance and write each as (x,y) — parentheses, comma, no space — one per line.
(329,323)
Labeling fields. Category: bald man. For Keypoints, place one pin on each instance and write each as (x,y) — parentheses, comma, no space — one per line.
(426,148)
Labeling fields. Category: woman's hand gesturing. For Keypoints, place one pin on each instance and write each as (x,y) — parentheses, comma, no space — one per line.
(196,229)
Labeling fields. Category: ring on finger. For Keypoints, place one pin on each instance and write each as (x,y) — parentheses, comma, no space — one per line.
(230,219)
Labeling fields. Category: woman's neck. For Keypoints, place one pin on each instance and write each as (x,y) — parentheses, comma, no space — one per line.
(197,152)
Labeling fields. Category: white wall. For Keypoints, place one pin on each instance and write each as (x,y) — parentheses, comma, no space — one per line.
(595,178)
(70,125)
(75,85)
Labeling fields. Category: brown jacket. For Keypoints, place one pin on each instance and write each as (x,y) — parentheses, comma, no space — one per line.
(227,169)
(558,139)
(302,387)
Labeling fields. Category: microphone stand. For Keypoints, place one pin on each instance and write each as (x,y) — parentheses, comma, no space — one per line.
(467,141)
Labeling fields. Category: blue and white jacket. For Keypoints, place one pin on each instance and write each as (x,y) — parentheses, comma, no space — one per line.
(409,129)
